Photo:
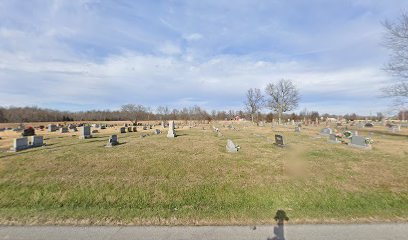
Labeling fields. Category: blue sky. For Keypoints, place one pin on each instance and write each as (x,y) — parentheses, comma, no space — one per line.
(90,54)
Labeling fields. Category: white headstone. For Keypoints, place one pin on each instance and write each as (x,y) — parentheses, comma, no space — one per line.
(171,133)
(231,147)
(333,138)
(326,131)
(360,142)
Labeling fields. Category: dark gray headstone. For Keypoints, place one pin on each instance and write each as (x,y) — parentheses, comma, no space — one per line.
(52,127)
(20,144)
(85,132)
(279,140)
(36,141)
(113,140)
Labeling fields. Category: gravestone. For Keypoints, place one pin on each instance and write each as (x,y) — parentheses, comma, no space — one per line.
(28,132)
(85,132)
(144,135)
(326,131)
(279,140)
(113,140)
(63,130)
(52,128)
(163,125)
(359,142)
(298,129)
(333,138)
(231,147)
(129,129)
(134,129)
(122,130)
(35,141)
(171,133)
(369,125)
(157,131)
(19,144)
(360,125)
(394,128)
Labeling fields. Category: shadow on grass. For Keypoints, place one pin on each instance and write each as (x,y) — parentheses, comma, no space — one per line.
(392,134)
(181,135)
(118,144)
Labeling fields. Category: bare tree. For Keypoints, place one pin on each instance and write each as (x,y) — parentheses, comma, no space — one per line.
(283,97)
(133,112)
(254,101)
(396,40)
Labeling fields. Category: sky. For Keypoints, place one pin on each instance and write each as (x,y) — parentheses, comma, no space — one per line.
(100,54)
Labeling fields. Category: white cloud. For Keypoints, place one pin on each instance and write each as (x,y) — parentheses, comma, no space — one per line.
(169,48)
(134,77)
(193,37)
(98,54)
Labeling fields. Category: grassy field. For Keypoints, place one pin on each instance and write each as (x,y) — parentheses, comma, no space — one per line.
(192,180)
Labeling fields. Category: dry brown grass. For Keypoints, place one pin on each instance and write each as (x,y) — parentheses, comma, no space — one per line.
(192,180)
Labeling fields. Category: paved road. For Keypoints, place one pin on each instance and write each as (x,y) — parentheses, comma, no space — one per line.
(289,232)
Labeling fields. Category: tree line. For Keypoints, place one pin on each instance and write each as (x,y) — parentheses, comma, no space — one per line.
(134,112)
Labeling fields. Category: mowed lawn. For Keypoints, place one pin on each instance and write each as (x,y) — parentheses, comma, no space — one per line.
(192,179)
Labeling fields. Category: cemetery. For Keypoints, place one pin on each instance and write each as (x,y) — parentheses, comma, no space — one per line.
(207,173)
(240,120)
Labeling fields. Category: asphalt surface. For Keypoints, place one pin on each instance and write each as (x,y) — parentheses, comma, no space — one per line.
(288,232)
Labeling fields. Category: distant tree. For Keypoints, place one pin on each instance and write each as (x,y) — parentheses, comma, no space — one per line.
(269,117)
(283,97)
(2,117)
(396,40)
(314,115)
(254,102)
(133,112)
(380,116)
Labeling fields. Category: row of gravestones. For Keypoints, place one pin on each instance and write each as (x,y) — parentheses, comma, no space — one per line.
(232,148)
(54,128)
(171,133)
(355,140)
(85,133)
(37,141)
